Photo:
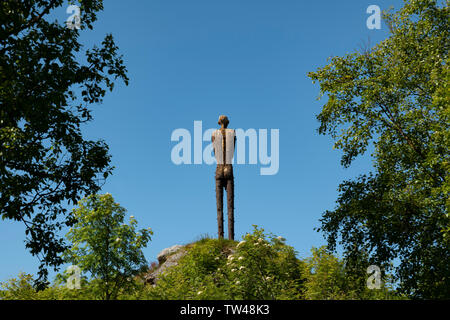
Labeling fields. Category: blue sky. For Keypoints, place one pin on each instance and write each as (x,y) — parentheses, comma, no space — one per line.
(192,61)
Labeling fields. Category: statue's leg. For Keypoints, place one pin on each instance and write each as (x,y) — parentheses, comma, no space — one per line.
(230,207)
(219,201)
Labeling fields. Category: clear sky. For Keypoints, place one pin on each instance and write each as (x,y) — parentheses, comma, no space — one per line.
(192,61)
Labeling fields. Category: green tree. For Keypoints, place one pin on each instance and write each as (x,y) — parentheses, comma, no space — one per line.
(395,97)
(106,247)
(22,288)
(45,97)
(330,278)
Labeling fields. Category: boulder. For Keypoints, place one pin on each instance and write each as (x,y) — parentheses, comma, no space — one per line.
(167,258)
(162,256)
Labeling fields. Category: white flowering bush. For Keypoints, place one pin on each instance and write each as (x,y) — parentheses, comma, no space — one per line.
(261,266)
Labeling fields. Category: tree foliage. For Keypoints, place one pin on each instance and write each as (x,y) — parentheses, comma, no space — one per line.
(395,96)
(45,98)
(329,278)
(261,266)
(106,247)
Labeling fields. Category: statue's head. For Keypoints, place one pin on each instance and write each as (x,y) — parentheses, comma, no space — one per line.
(223,120)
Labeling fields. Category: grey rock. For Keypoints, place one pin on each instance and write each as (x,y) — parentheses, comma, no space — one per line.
(162,256)
(167,258)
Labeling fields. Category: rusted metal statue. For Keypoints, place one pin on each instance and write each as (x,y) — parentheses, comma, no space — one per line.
(224,141)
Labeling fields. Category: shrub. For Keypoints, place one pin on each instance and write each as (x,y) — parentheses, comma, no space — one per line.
(261,266)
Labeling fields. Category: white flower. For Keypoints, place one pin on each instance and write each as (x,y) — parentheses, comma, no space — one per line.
(200,292)
(117,239)
(241,267)
(216,258)
(267,278)
(233,270)
(230,257)
(240,258)
(131,217)
(238,282)
(260,240)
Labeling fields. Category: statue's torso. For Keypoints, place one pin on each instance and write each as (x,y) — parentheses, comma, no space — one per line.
(224,148)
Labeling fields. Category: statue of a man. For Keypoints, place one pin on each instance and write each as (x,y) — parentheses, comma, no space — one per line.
(224,141)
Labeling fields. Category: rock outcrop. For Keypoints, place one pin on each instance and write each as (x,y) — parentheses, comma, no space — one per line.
(167,258)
